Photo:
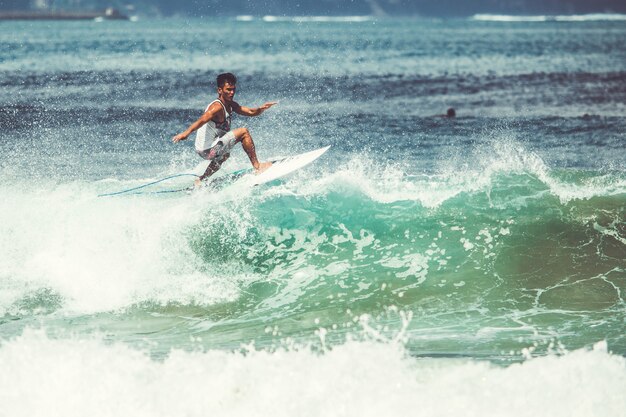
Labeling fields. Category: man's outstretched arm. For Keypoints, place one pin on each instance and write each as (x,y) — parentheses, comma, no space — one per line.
(208,115)
(247,111)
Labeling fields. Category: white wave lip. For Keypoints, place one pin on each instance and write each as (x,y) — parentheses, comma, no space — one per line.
(70,377)
(548,18)
(503,156)
(318,19)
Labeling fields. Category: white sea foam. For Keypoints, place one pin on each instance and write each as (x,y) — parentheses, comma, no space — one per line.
(508,18)
(77,377)
(318,19)
(105,254)
(550,18)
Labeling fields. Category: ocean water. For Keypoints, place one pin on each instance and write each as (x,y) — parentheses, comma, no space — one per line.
(423,266)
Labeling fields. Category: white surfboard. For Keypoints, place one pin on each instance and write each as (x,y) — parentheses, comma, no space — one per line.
(244,177)
(286,166)
(280,168)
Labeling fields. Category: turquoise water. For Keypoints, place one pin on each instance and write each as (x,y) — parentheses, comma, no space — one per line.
(451,266)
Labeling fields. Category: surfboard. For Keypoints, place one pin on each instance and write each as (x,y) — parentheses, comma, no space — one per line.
(285,166)
(280,168)
(246,177)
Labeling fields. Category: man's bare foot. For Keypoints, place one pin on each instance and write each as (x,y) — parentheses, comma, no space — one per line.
(262,167)
(197,183)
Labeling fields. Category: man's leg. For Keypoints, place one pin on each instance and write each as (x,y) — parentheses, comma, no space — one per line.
(243,135)
(213,167)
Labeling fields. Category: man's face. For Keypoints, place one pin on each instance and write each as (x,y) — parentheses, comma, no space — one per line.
(227,92)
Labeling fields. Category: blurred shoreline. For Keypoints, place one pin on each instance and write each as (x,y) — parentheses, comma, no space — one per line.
(108,14)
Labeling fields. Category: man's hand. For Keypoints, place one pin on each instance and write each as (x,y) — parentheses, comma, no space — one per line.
(267,105)
(179,137)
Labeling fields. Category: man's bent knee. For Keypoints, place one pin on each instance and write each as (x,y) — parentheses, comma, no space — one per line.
(241,132)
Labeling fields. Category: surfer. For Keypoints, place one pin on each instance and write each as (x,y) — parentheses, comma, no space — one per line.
(450,114)
(214,139)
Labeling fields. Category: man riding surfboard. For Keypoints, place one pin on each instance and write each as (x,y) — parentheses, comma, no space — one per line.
(214,139)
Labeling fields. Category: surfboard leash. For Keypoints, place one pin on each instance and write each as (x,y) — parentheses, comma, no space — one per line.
(130,190)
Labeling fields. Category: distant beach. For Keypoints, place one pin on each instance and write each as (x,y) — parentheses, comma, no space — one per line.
(108,14)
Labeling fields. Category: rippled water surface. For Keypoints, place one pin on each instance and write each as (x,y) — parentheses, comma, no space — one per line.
(449,263)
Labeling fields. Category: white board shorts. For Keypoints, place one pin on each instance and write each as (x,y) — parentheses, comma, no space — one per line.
(220,148)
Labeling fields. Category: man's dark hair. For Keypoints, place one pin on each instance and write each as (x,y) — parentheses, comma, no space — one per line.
(224,78)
